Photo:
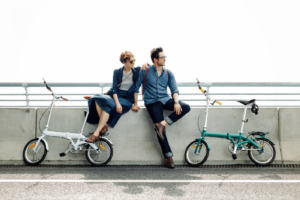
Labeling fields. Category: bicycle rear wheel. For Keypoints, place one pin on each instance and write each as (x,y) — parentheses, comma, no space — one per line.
(262,157)
(196,159)
(31,157)
(101,156)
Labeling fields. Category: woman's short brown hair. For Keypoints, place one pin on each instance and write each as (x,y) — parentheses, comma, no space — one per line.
(125,56)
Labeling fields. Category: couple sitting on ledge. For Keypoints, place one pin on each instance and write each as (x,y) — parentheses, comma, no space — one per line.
(123,96)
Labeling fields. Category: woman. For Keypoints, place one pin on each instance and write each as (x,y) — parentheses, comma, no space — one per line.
(107,109)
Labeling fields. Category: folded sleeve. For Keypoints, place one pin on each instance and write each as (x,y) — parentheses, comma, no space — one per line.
(172,83)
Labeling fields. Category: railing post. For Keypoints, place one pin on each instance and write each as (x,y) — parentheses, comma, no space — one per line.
(101,88)
(25,85)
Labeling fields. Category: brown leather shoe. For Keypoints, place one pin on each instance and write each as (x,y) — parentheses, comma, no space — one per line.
(160,130)
(104,130)
(170,163)
(92,139)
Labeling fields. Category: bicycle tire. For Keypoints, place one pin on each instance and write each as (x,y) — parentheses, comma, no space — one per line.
(105,148)
(27,153)
(200,158)
(269,147)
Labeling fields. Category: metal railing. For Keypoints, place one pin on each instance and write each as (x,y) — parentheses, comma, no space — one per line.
(208,85)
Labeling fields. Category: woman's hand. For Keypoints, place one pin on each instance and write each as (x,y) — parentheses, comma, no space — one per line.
(135,108)
(119,108)
(145,66)
(87,97)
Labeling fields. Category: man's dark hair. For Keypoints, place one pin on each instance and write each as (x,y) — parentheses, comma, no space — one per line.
(155,52)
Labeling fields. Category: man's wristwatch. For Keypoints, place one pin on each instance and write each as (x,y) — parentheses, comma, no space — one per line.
(176,101)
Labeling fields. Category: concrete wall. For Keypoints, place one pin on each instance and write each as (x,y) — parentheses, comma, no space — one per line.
(17,127)
(289,134)
(135,141)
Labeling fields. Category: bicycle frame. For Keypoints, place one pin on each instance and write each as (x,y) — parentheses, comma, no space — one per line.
(66,135)
(242,140)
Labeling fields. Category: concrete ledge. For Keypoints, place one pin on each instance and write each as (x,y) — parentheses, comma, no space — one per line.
(134,139)
(17,128)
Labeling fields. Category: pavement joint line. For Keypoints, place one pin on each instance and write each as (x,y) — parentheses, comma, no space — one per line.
(148,181)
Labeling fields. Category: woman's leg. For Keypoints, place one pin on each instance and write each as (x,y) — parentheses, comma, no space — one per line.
(99,109)
(102,122)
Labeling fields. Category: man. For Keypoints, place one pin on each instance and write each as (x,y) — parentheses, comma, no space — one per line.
(155,81)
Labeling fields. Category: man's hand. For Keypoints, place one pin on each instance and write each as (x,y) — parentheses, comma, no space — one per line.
(119,108)
(145,66)
(87,97)
(177,108)
(135,108)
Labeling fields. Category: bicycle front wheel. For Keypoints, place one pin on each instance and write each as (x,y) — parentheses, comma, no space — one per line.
(262,157)
(196,159)
(32,157)
(101,156)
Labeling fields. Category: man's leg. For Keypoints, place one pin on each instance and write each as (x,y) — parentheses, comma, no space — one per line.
(156,113)
(174,117)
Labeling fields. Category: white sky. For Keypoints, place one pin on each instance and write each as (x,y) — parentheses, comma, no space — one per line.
(80,41)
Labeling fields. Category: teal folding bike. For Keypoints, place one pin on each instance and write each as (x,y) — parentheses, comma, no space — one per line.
(260,149)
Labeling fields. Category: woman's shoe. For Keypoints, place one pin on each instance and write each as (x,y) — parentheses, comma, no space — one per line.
(92,139)
(104,130)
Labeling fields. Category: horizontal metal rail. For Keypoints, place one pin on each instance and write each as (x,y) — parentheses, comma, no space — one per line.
(199,96)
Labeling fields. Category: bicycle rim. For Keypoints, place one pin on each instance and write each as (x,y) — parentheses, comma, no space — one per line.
(35,157)
(102,156)
(196,159)
(265,157)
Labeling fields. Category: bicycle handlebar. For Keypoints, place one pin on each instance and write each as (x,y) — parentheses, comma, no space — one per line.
(47,86)
(204,92)
(64,99)
(218,102)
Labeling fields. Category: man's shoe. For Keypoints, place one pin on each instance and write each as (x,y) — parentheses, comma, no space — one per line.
(170,163)
(160,130)
(92,139)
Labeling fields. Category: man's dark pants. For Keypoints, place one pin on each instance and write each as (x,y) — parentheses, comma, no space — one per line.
(156,113)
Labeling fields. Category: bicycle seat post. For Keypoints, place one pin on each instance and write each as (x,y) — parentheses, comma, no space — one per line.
(244,118)
(207,107)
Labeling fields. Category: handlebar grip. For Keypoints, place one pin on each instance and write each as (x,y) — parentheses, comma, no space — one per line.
(218,102)
(202,90)
(64,99)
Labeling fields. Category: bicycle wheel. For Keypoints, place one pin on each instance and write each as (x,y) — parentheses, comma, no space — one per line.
(262,157)
(101,156)
(31,157)
(196,159)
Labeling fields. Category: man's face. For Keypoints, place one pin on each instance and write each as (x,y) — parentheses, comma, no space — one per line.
(161,59)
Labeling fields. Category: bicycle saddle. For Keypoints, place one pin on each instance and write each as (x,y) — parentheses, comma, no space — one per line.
(246,102)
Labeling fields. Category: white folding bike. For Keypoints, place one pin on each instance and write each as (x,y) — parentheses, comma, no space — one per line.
(98,153)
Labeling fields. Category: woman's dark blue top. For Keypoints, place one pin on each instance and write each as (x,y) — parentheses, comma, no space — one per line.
(107,103)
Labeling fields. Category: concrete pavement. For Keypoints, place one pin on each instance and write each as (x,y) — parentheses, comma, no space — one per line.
(180,187)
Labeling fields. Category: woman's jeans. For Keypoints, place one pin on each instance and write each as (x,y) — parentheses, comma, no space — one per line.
(156,113)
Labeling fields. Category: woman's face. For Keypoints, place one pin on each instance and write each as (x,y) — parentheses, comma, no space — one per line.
(130,62)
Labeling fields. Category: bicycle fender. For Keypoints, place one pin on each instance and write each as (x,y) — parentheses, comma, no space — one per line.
(266,138)
(46,143)
(108,140)
(204,141)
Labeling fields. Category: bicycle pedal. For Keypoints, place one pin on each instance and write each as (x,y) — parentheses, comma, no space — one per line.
(234,156)
(62,154)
